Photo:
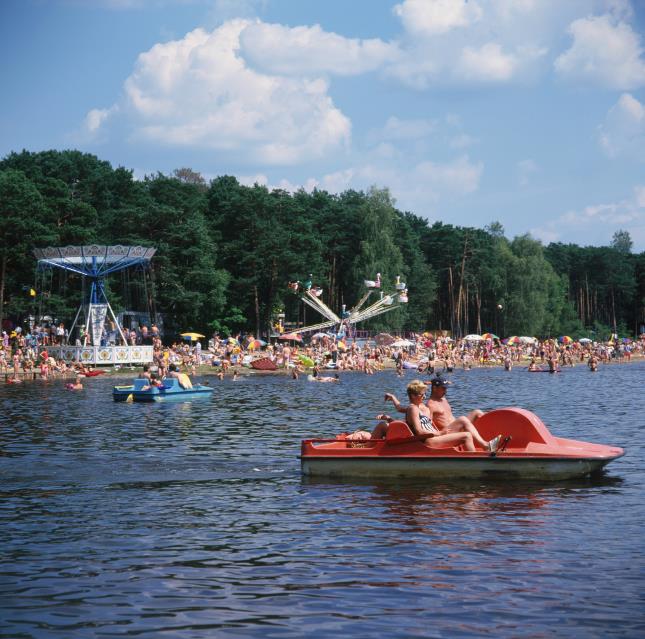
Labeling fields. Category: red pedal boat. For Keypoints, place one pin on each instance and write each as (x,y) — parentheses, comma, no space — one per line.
(529,451)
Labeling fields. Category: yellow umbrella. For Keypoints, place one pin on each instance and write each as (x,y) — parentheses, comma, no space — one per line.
(192,336)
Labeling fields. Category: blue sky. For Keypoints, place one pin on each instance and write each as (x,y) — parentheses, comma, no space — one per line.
(528,112)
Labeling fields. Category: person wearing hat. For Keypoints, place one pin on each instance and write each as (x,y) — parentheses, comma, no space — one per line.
(446,422)
(443,419)
(419,418)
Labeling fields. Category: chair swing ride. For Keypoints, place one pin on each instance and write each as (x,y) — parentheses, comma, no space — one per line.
(311,295)
(96,263)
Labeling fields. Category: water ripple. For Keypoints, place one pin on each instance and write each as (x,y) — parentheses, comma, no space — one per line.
(191,519)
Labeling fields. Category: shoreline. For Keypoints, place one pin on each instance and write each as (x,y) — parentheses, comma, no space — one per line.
(213,371)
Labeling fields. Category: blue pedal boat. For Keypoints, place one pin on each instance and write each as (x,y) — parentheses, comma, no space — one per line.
(171,389)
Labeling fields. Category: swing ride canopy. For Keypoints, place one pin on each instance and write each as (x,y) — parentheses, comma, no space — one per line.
(93,260)
(96,262)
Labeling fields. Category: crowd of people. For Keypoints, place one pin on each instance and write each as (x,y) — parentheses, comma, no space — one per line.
(425,353)
(25,352)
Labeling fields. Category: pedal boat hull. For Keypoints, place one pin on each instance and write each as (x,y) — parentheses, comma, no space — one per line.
(533,453)
(169,391)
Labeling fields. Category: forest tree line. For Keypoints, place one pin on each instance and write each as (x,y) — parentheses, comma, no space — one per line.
(225,253)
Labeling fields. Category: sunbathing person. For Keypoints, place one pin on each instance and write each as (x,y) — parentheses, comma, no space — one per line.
(419,418)
(444,421)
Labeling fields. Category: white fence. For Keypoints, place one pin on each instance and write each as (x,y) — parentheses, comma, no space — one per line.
(102,355)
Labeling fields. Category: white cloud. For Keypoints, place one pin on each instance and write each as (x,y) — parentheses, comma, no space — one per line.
(95,119)
(418,187)
(639,196)
(597,223)
(132,4)
(603,52)
(488,63)
(503,41)
(623,132)
(468,41)
(310,50)
(458,177)
(398,129)
(526,169)
(251,180)
(199,92)
(434,17)
(462,141)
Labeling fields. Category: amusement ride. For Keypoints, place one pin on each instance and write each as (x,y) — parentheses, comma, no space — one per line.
(95,263)
(344,323)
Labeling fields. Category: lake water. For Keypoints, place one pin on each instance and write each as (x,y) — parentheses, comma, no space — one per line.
(192,520)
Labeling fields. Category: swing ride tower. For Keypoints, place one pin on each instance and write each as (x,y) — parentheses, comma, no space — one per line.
(344,323)
(95,263)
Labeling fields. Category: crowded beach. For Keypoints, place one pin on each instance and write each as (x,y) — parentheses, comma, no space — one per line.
(24,353)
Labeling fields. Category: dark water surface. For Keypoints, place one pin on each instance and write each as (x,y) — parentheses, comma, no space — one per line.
(192,519)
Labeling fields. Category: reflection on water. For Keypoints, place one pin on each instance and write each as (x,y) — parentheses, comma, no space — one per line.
(192,519)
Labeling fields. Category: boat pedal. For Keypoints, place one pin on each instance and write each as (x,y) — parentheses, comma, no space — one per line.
(504,444)
(502,447)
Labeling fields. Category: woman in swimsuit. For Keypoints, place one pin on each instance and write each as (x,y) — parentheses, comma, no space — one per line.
(419,418)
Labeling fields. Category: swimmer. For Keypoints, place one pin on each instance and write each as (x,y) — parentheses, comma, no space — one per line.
(77,385)
(315,377)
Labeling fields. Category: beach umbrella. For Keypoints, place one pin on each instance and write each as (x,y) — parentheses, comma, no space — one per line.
(290,336)
(191,337)
(626,340)
(474,338)
(584,340)
(524,339)
(256,343)
(489,336)
(232,340)
(513,340)
(401,343)
(565,339)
